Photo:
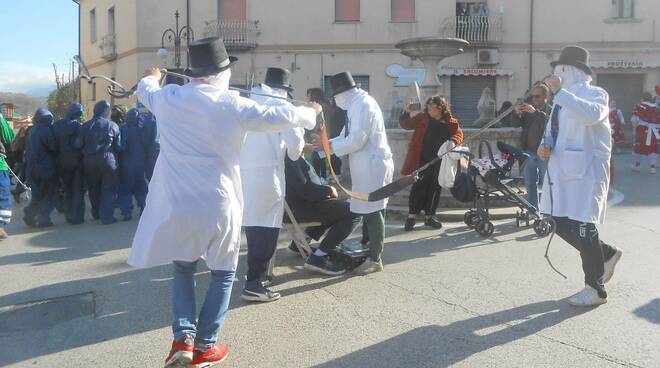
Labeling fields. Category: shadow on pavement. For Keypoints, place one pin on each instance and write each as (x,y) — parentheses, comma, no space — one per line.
(443,346)
(650,311)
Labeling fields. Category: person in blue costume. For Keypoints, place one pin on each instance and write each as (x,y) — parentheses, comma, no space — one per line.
(151,138)
(132,162)
(41,170)
(100,141)
(69,164)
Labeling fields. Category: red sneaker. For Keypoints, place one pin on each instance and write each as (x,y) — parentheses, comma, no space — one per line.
(211,357)
(181,353)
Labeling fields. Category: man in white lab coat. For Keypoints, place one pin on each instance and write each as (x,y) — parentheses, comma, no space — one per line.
(577,145)
(262,174)
(364,140)
(194,206)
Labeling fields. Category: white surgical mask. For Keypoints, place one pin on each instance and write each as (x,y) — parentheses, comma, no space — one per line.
(344,99)
(219,81)
(571,76)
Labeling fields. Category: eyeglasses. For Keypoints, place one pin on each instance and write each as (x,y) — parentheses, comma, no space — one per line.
(538,96)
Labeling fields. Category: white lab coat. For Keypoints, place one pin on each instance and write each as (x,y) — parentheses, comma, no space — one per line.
(262,167)
(194,206)
(579,165)
(369,155)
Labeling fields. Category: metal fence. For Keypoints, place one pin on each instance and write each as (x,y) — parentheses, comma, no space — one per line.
(239,34)
(478,30)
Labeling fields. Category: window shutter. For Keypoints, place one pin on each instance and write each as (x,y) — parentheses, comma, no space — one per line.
(403,10)
(347,10)
(232,10)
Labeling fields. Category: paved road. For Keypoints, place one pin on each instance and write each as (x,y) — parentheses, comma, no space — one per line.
(447,298)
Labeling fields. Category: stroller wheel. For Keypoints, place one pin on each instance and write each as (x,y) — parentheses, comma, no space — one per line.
(485,228)
(473,220)
(467,215)
(542,227)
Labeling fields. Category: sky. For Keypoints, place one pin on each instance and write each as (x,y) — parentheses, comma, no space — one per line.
(34,34)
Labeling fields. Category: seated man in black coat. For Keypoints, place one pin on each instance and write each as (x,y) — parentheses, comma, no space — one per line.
(312,201)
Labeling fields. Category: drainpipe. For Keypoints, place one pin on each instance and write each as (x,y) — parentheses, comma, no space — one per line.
(79,87)
(531,43)
(187,32)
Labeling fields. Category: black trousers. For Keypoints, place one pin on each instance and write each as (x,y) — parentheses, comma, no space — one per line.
(261,244)
(425,193)
(336,218)
(594,252)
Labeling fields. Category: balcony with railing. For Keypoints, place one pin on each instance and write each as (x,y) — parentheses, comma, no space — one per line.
(480,31)
(237,34)
(108,47)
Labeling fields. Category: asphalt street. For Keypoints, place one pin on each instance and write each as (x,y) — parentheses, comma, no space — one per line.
(446,298)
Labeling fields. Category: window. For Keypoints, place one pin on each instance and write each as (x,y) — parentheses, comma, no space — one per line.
(362,82)
(111,20)
(92,25)
(623,8)
(347,10)
(403,10)
(231,10)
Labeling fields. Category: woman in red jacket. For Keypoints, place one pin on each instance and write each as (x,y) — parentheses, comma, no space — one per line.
(432,128)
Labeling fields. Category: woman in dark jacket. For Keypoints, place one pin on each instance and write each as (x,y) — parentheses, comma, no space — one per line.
(432,128)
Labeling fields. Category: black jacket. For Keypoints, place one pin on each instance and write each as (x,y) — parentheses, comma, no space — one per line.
(302,183)
(533,127)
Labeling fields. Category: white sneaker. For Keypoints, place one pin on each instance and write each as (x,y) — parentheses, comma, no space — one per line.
(652,170)
(610,265)
(636,168)
(368,267)
(588,297)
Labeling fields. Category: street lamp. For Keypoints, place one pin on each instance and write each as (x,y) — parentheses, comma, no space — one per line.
(174,36)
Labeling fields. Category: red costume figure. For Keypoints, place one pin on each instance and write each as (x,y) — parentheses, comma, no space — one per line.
(617,122)
(646,118)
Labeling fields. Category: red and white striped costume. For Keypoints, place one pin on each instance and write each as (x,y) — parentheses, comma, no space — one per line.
(647,119)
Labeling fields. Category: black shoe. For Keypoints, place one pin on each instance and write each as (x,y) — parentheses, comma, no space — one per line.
(254,291)
(433,222)
(410,224)
(324,265)
(44,225)
(293,248)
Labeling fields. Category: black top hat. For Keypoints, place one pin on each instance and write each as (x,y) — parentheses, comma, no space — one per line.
(341,82)
(575,56)
(278,78)
(208,56)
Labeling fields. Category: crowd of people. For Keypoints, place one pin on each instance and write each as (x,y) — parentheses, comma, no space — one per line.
(230,163)
(60,161)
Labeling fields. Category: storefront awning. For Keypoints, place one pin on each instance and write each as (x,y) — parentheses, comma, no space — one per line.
(624,64)
(492,72)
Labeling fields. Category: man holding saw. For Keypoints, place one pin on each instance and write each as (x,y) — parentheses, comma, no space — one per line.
(364,140)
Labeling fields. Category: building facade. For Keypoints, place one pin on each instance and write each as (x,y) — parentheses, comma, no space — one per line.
(511,43)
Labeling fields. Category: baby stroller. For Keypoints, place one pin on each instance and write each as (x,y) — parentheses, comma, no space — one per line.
(491,178)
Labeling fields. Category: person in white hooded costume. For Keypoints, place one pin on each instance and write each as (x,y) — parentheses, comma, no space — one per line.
(262,174)
(577,144)
(364,140)
(194,206)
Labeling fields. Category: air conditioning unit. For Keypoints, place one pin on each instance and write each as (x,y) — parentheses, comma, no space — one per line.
(488,57)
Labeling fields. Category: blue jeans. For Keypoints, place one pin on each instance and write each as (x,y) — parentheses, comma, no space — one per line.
(5,198)
(534,172)
(205,329)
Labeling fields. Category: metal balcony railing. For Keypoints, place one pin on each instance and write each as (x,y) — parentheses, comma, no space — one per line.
(237,34)
(108,47)
(480,31)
